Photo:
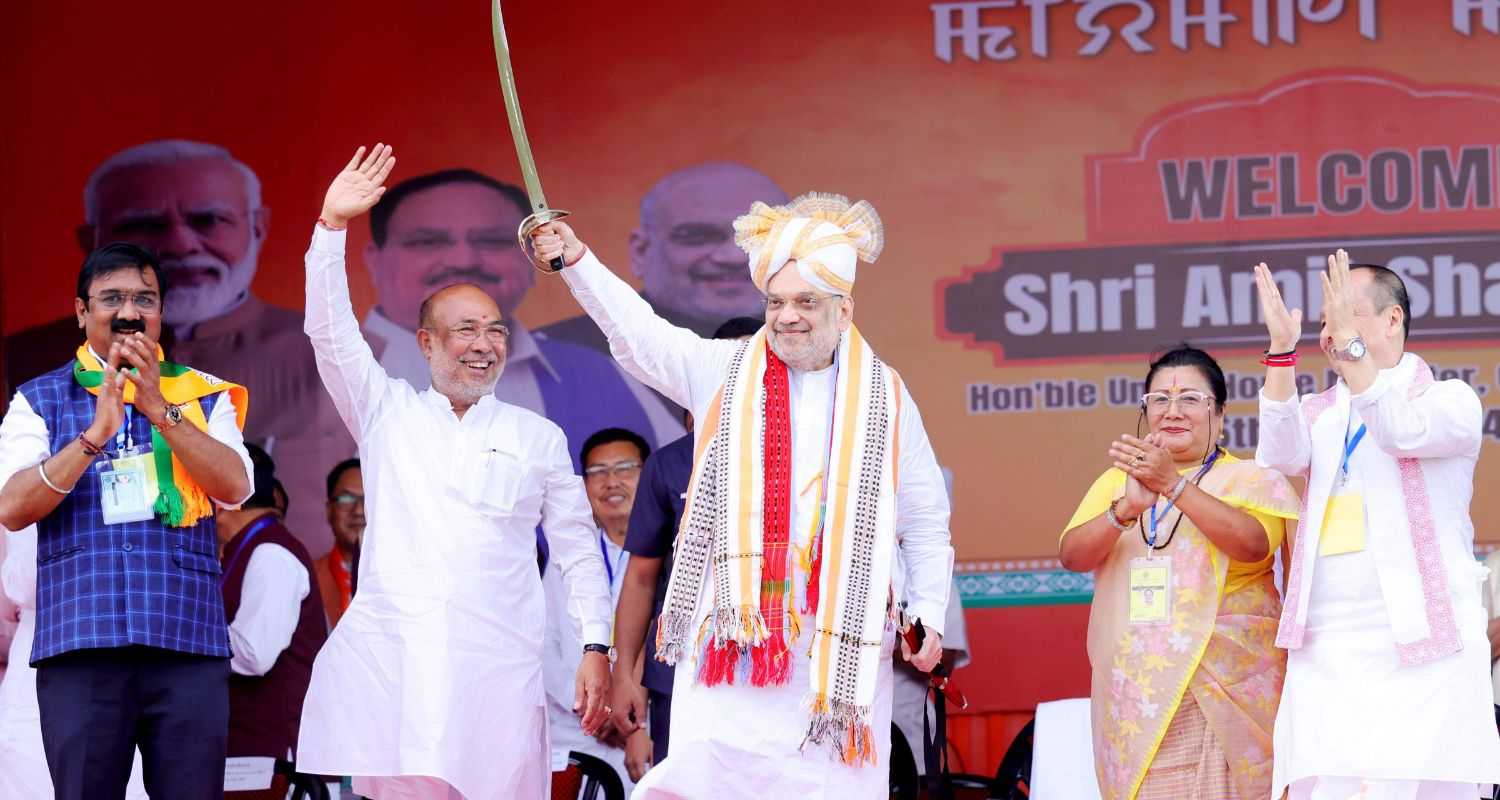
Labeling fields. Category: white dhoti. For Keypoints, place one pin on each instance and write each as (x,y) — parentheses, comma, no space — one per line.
(1346,693)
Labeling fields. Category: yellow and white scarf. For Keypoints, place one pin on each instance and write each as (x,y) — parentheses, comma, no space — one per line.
(723,524)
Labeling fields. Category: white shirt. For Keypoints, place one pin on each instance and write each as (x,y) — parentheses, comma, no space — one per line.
(403,359)
(450,607)
(270,605)
(564,652)
(25,441)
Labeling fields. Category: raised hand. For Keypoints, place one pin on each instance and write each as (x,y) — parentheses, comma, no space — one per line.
(355,190)
(1285,327)
(552,240)
(1338,297)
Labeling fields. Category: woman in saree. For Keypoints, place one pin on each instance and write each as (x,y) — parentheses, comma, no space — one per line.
(1181,538)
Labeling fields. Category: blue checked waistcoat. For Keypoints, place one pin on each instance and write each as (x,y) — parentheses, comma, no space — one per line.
(135,583)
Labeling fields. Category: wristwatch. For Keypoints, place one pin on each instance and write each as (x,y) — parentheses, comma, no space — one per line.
(172,416)
(602,649)
(1353,351)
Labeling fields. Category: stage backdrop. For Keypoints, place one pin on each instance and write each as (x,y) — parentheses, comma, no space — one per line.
(1066,186)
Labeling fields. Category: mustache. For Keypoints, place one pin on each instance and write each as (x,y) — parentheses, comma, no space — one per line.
(454,275)
(118,325)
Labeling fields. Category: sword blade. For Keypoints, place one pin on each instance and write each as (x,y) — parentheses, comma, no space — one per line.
(513,112)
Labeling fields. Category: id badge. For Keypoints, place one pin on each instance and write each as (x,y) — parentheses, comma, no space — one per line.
(1150,591)
(127,490)
(1343,520)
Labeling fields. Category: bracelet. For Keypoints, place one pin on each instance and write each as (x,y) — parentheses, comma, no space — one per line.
(601,649)
(326,226)
(89,447)
(1269,354)
(1280,360)
(43,472)
(1115,521)
(1178,489)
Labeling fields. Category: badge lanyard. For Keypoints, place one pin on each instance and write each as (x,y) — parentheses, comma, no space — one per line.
(250,533)
(608,568)
(1155,517)
(1349,446)
(125,437)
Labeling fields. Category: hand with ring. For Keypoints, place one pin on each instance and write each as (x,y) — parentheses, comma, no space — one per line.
(1146,461)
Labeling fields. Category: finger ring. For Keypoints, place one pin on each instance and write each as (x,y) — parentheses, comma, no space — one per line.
(608,710)
(1139,457)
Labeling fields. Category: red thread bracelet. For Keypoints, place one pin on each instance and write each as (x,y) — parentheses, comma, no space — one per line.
(89,447)
(327,226)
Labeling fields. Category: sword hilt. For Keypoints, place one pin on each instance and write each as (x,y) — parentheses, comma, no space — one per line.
(530,224)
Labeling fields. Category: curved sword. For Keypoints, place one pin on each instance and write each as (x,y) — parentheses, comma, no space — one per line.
(540,213)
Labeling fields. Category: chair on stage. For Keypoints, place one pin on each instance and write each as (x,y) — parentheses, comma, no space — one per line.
(587,778)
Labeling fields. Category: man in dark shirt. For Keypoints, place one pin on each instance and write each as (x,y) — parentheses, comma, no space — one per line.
(659,499)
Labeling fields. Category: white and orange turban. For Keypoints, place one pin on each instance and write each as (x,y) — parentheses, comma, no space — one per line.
(823,233)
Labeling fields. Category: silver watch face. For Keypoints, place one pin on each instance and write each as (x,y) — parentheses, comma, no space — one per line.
(1355,349)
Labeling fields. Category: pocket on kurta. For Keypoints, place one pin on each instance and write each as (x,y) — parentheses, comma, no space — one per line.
(497,482)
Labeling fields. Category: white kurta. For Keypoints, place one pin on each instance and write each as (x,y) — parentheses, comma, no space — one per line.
(23,762)
(436,668)
(742,741)
(1349,706)
(564,650)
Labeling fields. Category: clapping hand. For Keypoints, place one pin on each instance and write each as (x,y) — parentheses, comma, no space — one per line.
(1284,326)
(1146,461)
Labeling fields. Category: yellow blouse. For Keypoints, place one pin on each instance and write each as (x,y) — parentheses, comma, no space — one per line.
(1111,485)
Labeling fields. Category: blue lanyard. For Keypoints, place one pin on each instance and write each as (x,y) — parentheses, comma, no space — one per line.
(125,438)
(254,528)
(1155,517)
(608,568)
(1349,446)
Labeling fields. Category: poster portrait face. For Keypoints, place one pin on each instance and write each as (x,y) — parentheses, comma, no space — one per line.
(442,229)
(684,248)
(193,205)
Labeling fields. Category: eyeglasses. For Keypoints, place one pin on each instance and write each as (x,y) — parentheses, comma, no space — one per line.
(621,470)
(348,500)
(144,302)
(497,334)
(1190,400)
(806,303)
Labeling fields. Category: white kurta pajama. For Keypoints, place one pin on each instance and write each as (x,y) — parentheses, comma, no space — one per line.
(743,741)
(1388,671)
(436,668)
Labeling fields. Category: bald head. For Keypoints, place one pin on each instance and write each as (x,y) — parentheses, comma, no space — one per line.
(684,249)
(452,304)
(725,185)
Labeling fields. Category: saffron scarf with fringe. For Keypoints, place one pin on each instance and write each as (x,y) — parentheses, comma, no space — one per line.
(738,518)
(180,502)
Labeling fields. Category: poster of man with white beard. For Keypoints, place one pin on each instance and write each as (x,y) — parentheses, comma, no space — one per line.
(199,209)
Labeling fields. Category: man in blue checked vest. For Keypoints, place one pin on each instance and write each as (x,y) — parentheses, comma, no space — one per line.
(119,457)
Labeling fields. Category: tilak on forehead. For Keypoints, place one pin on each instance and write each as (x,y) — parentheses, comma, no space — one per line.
(824,234)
